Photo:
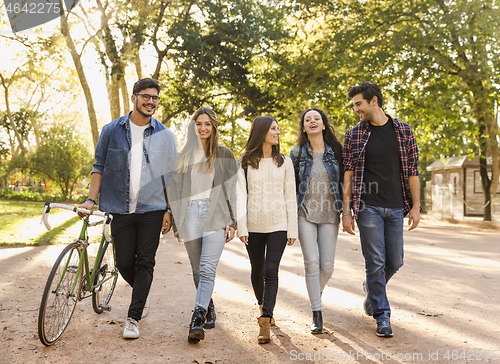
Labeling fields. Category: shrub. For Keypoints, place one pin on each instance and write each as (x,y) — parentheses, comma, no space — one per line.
(35,196)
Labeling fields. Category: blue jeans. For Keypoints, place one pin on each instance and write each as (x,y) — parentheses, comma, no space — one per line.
(204,249)
(318,243)
(381,234)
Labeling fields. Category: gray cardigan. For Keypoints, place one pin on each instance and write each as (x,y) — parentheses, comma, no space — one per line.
(221,211)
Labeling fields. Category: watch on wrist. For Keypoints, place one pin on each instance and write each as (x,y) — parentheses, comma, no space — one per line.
(90,200)
(168,210)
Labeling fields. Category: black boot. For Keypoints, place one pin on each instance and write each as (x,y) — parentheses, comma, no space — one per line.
(317,326)
(210,318)
(196,332)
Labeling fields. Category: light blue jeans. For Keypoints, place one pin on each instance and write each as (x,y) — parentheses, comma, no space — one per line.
(318,243)
(381,235)
(204,249)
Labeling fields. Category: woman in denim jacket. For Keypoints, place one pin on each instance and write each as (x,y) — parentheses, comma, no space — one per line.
(317,160)
(203,194)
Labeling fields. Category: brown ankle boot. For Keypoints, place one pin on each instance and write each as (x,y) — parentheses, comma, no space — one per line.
(273,323)
(265,330)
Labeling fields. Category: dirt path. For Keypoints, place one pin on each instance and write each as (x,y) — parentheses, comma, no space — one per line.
(445,303)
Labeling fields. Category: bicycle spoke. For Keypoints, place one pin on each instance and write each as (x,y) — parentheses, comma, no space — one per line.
(105,279)
(60,295)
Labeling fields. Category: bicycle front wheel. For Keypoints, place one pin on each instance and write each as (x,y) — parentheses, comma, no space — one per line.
(105,279)
(60,295)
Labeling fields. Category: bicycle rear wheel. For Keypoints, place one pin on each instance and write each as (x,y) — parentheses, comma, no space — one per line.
(107,273)
(60,295)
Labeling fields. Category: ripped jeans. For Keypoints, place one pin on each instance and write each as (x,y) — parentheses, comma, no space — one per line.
(318,243)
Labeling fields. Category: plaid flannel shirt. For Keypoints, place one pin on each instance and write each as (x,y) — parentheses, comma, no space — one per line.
(354,159)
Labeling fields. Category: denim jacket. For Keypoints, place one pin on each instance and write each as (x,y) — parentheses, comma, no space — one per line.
(303,166)
(112,160)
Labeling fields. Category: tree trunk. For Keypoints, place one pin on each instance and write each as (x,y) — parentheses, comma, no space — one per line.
(125,96)
(11,119)
(138,65)
(495,154)
(483,171)
(233,124)
(113,96)
(484,111)
(117,66)
(81,75)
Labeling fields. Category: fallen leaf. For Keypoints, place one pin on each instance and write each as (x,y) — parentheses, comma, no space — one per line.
(423,313)
(207,360)
(179,262)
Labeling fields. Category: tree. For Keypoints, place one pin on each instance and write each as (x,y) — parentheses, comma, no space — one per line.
(18,127)
(219,53)
(77,60)
(420,51)
(62,157)
(32,77)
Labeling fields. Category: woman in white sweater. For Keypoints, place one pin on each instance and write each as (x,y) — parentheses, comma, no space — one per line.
(266,196)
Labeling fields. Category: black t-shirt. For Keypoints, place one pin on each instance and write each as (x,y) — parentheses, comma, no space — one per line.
(382,175)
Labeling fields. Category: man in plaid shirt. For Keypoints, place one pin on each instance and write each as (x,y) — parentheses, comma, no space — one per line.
(381,186)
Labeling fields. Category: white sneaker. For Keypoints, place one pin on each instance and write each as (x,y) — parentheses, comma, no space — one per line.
(131,330)
(145,311)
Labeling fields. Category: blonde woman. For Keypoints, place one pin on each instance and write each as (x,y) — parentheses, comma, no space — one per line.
(203,204)
(266,192)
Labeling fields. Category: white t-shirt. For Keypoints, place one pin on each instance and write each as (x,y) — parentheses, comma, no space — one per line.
(137,134)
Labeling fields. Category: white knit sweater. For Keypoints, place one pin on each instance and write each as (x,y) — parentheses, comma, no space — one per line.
(272,203)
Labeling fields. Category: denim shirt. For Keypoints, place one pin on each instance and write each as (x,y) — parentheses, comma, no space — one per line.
(303,166)
(112,161)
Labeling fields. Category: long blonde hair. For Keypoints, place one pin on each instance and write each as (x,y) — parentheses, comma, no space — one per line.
(193,143)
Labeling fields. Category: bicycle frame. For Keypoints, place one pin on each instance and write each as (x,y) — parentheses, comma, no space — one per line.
(83,242)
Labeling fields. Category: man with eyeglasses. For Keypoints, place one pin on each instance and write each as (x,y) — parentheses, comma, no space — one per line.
(132,171)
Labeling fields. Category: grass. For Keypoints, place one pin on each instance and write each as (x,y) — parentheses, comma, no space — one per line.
(14,214)
(50,236)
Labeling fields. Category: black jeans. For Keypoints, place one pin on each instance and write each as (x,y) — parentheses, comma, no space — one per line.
(136,238)
(265,251)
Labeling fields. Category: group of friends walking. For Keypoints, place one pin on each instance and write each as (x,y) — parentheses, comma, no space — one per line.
(267,199)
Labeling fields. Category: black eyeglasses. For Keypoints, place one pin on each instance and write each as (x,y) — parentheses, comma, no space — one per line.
(147,97)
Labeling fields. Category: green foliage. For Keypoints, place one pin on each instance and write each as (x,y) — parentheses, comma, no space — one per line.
(220,59)
(435,61)
(22,119)
(62,157)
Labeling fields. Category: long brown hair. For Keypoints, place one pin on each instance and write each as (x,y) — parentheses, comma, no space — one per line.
(193,143)
(253,147)
(328,136)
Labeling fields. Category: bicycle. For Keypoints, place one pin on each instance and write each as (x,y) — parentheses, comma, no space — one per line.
(67,284)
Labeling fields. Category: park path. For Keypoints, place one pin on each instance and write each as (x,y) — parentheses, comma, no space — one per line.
(445,302)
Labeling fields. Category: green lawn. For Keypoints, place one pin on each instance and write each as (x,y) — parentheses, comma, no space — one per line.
(15,214)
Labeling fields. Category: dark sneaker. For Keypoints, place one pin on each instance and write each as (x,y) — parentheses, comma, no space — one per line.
(384,329)
(367,306)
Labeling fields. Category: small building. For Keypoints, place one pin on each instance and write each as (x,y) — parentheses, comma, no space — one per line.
(455,191)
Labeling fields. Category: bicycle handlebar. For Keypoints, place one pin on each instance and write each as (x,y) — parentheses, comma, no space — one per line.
(106,222)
